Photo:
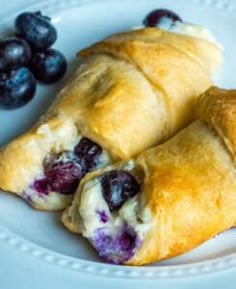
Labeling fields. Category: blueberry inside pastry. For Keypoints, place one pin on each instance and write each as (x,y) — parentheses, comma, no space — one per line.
(63,171)
(133,91)
(106,211)
(50,162)
(169,199)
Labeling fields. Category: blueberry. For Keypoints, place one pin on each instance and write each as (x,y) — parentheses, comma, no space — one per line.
(63,171)
(17,87)
(48,66)
(36,29)
(161,18)
(14,53)
(60,176)
(64,177)
(118,187)
(87,152)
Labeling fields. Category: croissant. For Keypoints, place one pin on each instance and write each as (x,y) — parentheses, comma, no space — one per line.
(170,198)
(133,91)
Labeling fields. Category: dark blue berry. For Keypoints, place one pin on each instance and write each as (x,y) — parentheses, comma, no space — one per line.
(36,29)
(87,153)
(62,174)
(160,18)
(64,171)
(14,53)
(17,87)
(118,187)
(64,177)
(48,66)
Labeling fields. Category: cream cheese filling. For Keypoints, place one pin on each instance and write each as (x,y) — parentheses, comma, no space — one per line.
(186,29)
(194,31)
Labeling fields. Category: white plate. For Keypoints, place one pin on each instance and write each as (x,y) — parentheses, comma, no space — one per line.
(80,23)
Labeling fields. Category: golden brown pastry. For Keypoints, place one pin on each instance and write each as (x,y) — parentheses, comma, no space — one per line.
(136,91)
(170,198)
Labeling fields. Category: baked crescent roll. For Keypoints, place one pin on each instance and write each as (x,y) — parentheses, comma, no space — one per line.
(170,198)
(135,91)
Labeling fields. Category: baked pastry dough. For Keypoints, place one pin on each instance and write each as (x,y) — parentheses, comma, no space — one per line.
(135,91)
(187,191)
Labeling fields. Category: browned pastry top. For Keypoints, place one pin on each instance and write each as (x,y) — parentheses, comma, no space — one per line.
(218,108)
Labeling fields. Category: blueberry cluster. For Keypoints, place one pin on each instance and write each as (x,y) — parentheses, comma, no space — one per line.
(26,57)
(63,171)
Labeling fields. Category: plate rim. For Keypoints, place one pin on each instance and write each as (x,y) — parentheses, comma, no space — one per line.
(118,271)
(103,269)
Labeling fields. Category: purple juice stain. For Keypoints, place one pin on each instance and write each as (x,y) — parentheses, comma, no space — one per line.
(41,186)
(103,217)
(116,249)
(63,171)
(87,152)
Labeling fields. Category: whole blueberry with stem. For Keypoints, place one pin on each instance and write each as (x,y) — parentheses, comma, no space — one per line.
(36,29)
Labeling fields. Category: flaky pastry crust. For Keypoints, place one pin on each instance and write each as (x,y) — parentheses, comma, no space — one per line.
(189,183)
(135,91)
